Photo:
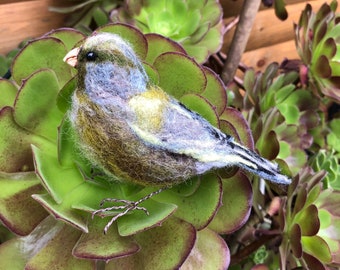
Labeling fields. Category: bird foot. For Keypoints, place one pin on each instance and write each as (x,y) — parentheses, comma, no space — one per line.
(125,205)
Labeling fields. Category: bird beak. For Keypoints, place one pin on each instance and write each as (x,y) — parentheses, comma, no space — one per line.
(71,57)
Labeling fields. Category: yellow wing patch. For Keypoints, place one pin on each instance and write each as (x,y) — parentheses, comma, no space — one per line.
(149,108)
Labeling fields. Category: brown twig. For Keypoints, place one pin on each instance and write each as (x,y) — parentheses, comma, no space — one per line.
(240,39)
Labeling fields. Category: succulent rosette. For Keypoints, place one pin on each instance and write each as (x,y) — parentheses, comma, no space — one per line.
(281,115)
(43,170)
(196,25)
(317,41)
(327,161)
(85,14)
(311,223)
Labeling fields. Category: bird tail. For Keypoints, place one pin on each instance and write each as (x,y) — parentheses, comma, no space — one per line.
(258,165)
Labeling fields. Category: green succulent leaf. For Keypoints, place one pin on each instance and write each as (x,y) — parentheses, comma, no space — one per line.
(158,212)
(8,93)
(174,69)
(39,117)
(158,45)
(131,34)
(317,247)
(200,207)
(70,37)
(53,174)
(200,105)
(36,55)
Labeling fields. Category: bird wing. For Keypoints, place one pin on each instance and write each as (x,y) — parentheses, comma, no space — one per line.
(165,123)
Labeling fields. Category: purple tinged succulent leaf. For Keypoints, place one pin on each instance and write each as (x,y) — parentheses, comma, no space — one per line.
(99,246)
(330,202)
(310,119)
(229,129)
(62,212)
(320,32)
(16,252)
(329,48)
(16,154)
(295,240)
(215,92)
(61,246)
(322,67)
(164,247)
(308,220)
(237,120)
(18,211)
(269,145)
(212,249)
(237,191)
(313,262)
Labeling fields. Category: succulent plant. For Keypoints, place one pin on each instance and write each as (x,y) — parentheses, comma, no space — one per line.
(89,14)
(39,160)
(196,25)
(317,42)
(280,114)
(310,222)
(328,162)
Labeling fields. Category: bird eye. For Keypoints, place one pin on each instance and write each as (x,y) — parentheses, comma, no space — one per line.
(91,56)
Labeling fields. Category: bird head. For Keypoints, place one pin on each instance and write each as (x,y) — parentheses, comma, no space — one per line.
(108,66)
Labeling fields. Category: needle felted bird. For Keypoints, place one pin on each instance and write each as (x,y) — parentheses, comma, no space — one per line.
(135,132)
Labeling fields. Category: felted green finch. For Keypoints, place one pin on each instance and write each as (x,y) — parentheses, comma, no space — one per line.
(135,132)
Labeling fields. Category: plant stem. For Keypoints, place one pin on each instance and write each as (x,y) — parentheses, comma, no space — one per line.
(240,39)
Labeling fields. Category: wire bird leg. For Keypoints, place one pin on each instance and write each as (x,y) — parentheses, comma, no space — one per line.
(126,205)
